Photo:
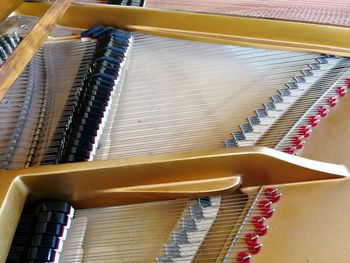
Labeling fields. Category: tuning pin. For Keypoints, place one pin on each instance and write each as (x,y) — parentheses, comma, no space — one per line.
(16,37)
(11,41)
(6,46)
(243,257)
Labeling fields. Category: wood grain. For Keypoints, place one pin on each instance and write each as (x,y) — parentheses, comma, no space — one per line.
(7,7)
(30,44)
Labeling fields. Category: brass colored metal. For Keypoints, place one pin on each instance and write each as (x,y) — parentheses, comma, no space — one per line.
(28,47)
(253,32)
(133,180)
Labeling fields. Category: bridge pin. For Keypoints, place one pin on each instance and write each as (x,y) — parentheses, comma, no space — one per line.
(262,231)
(347,82)
(332,101)
(251,239)
(266,208)
(289,150)
(273,195)
(323,111)
(305,131)
(243,257)
(341,91)
(254,249)
(314,120)
(258,221)
(298,142)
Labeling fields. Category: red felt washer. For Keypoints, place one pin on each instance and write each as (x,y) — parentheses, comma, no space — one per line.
(341,91)
(243,257)
(289,150)
(313,120)
(323,111)
(265,205)
(298,142)
(254,249)
(305,131)
(258,221)
(273,194)
(261,231)
(332,101)
(266,208)
(251,239)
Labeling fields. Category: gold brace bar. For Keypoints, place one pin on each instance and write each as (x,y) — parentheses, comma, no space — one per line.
(265,33)
(130,180)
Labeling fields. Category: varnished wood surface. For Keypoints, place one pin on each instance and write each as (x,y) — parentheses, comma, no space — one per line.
(7,7)
(30,44)
(310,225)
(330,141)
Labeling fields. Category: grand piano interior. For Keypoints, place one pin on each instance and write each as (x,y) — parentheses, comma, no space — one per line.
(139,131)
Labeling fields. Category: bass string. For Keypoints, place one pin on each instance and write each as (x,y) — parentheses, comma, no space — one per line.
(218,237)
(222,221)
(75,49)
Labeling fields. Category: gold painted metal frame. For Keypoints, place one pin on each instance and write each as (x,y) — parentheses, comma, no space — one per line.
(152,178)
(173,175)
(245,31)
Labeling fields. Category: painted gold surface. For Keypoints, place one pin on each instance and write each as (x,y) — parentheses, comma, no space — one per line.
(105,183)
(253,32)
